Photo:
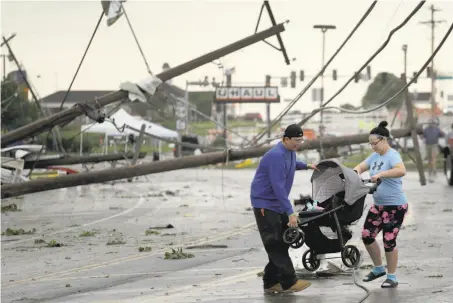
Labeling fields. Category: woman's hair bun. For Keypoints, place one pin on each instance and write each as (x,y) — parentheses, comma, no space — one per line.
(383,124)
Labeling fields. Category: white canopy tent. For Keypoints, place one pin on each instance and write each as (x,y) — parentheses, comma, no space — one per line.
(121,117)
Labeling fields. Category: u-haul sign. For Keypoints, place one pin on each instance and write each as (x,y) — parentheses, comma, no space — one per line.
(247,94)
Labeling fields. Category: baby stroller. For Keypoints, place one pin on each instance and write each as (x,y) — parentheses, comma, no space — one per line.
(341,193)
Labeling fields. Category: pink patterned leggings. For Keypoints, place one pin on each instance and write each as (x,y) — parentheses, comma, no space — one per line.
(387,218)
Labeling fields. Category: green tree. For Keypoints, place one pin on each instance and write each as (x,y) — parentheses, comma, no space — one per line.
(17,111)
(384,86)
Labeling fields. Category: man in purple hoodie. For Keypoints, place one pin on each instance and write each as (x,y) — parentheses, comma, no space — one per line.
(274,212)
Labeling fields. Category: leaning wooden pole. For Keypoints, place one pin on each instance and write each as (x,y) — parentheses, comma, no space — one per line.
(44,163)
(13,190)
(67,115)
(412,123)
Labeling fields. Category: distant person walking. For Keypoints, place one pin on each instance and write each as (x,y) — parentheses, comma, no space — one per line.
(432,133)
(274,212)
(390,204)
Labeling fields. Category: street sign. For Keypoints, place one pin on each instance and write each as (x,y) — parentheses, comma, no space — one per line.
(181,114)
(180,124)
(247,94)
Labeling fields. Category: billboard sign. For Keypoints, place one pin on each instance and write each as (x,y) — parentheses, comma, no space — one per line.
(247,94)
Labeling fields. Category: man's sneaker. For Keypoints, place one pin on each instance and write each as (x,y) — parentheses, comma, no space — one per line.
(276,288)
(298,286)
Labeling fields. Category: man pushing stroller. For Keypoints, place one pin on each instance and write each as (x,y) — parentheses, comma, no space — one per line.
(273,210)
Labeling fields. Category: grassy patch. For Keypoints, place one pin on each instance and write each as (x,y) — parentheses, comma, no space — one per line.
(177,254)
(11,207)
(17,232)
(144,249)
(87,234)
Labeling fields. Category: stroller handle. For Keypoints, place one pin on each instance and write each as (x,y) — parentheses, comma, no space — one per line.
(374,186)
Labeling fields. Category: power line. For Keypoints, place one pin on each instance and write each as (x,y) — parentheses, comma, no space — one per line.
(136,39)
(69,89)
(414,11)
(285,111)
(403,88)
(83,57)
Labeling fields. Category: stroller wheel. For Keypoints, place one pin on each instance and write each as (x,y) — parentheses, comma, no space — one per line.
(292,235)
(309,260)
(350,255)
(299,241)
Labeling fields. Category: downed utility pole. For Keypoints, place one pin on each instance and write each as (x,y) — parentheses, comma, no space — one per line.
(68,115)
(175,142)
(18,189)
(44,163)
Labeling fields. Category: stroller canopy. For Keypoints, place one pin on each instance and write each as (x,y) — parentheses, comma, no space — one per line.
(333,178)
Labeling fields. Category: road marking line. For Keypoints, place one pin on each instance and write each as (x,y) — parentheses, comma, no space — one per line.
(131,258)
(138,204)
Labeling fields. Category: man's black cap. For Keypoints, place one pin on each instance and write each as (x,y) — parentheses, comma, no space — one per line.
(293,130)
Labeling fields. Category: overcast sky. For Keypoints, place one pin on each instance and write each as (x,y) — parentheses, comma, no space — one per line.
(52,36)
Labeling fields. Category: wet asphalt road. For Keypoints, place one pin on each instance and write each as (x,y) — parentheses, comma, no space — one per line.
(205,207)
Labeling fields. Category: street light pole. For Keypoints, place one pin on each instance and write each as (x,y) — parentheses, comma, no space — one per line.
(324,29)
(405,59)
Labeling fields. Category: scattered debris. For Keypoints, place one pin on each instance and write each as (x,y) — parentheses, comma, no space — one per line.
(171,193)
(447,210)
(116,242)
(260,274)
(162,227)
(11,207)
(68,285)
(53,243)
(367,266)
(437,291)
(184,205)
(249,209)
(87,234)
(436,276)
(151,232)
(17,232)
(145,248)
(177,254)
(39,241)
(168,234)
(204,246)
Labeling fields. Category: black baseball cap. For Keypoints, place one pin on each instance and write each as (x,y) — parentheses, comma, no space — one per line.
(293,131)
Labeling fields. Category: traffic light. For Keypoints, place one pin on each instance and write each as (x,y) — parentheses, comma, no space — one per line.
(414,75)
(334,75)
(293,79)
(283,82)
(356,77)
(268,80)
(301,75)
